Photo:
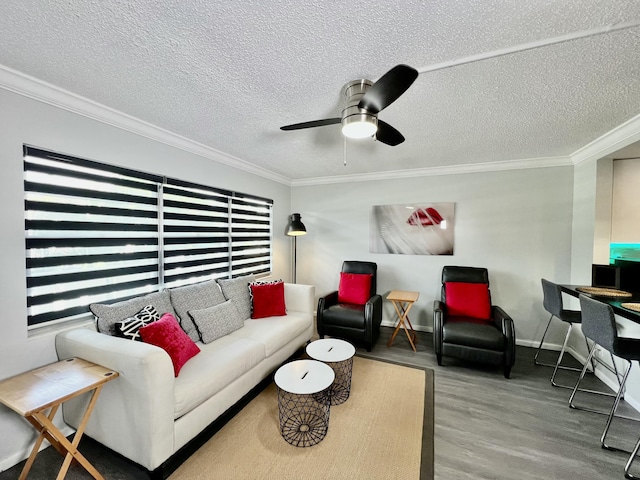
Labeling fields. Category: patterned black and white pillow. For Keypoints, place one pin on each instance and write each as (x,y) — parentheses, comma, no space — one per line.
(130,327)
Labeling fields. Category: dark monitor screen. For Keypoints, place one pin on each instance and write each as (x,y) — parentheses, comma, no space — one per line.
(605,276)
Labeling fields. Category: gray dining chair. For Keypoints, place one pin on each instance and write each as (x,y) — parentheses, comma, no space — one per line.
(599,326)
(552,302)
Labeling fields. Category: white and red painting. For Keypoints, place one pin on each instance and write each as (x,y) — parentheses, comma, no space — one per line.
(417,229)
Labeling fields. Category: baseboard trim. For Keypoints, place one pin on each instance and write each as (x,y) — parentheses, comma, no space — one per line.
(17,457)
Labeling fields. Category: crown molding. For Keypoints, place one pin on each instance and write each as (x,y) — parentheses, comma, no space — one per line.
(542,162)
(36,89)
(612,141)
(41,91)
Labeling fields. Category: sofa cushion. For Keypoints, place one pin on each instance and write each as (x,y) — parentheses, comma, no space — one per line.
(237,290)
(344,315)
(219,364)
(275,332)
(217,321)
(107,315)
(194,297)
(167,334)
(472,332)
(129,327)
(267,299)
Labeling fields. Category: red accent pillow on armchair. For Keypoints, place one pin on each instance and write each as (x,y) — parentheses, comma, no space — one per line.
(354,288)
(468,300)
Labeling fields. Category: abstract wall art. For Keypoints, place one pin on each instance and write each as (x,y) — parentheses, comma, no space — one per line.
(414,229)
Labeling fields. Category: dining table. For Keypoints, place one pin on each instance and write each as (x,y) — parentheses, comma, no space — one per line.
(614,297)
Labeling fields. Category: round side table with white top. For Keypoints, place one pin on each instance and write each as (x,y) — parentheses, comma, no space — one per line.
(338,354)
(304,401)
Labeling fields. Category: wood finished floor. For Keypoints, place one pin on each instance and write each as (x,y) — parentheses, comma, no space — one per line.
(486,427)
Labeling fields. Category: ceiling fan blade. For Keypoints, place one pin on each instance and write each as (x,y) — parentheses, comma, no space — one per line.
(389,135)
(314,123)
(388,88)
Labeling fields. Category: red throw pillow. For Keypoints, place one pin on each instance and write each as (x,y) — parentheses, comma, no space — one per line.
(167,334)
(354,288)
(267,300)
(468,300)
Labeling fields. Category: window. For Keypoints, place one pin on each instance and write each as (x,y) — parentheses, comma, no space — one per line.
(99,233)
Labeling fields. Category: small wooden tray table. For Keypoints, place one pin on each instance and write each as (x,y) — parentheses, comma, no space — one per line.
(402,302)
(32,393)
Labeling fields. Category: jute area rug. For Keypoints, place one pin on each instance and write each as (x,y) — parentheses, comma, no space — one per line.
(383,431)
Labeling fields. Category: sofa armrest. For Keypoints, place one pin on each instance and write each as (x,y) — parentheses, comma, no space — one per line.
(134,414)
(299,298)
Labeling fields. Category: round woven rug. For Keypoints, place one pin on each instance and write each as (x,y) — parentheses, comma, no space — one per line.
(604,292)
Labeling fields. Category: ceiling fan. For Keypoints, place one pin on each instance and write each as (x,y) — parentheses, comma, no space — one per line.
(364,100)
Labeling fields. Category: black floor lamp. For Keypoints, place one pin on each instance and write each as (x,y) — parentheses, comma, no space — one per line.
(295,228)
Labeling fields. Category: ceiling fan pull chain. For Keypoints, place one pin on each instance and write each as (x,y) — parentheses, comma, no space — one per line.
(344,154)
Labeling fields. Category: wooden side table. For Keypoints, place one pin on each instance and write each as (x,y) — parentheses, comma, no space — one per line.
(402,302)
(32,393)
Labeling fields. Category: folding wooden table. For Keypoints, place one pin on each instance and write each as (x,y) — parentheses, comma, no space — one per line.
(32,393)
(402,302)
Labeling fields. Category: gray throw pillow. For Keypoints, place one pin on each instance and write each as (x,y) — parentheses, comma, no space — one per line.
(217,321)
(108,315)
(237,290)
(194,297)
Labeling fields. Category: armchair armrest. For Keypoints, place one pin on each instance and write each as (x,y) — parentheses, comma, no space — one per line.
(438,323)
(299,298)
(373,318)
(328,300)
(134,414)
(505,323)
(324,303)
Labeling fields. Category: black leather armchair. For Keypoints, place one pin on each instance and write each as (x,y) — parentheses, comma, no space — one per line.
(490,341)
(358,323)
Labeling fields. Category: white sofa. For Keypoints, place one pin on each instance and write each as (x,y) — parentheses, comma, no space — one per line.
(148,414)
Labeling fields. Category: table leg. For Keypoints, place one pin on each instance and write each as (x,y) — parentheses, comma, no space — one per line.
(395,332)
(403,314)
(78,435)
(411,335)
(39,440)
(60,442)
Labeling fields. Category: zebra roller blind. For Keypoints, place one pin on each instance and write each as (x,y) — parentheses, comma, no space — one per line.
(99,233)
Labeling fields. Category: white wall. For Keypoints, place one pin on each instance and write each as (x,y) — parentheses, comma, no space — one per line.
(603,211)
(32,122)
(594,183)
(517,223)
(625,214)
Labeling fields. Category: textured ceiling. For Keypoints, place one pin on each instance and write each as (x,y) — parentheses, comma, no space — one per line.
(229,74)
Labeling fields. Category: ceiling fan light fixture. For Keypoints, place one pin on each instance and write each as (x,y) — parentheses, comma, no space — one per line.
(359,126)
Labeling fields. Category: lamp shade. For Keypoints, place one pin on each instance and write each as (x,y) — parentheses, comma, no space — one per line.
(295,226)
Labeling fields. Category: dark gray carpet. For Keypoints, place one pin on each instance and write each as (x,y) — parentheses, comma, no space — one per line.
(486,427)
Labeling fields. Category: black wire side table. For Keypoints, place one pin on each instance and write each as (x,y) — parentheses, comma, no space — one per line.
(304,401)
(337,354)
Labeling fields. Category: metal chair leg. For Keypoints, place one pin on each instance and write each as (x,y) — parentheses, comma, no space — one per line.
(535,358)
(557,366)
(603,443)
(632,457)
(577,388)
